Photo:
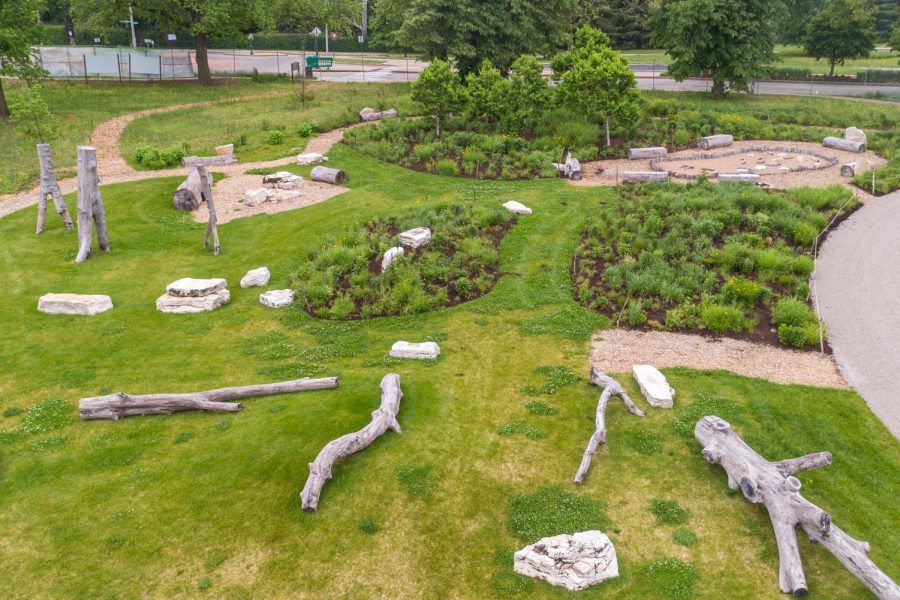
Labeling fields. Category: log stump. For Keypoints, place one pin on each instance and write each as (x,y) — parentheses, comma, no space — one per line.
(50,187)
(90,205)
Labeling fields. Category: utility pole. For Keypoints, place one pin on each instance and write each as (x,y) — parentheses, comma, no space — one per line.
(326,36)
(131,22)
(365,19)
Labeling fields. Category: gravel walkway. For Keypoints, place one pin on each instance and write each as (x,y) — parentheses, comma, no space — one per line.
(616,350)
(857,283)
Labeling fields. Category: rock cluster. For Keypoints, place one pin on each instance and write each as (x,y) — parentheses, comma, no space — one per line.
(416,238)
(574,562)
(282,180)
(654,386)
(260,195)
(421,351)
(74,304)
(189,295)
(256,278)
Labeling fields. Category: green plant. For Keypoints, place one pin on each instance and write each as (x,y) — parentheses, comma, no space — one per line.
(417,480)
(183,437)
(671,578)
(551,511)
(31,116)
(369,527)
(305,129)
(555,377)
(799,335)
(539,407)
(274,137)
(684,537)
(644,442)
(148,157)
(792,312)
(668,512)
(12,411)
(722,319)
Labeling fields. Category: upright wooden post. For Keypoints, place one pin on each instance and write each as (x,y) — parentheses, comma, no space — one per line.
(206,194)
(90,205)
(50,187)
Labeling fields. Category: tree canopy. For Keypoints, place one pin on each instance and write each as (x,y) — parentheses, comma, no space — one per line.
(18,33)
(439,91)
(844,29)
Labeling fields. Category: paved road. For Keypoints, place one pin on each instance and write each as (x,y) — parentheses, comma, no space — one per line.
(857,282)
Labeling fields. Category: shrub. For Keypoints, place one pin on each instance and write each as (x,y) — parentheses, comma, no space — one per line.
(744,291)
(792,312)
(684,537)
(305,129)
(551,511)
(447,168)
(668,512)
(798,335)
(155,158)
(721,319)
(275,137)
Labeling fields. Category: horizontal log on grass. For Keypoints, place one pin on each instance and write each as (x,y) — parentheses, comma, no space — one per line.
(328,175)
(116,406)
(738,177)
(384,418)
(845,145)
(773,485)
(715,141)
(208,161)
(652,152)
(638,176)
(190,193)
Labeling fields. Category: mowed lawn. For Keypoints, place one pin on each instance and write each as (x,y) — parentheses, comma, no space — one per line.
(206,505)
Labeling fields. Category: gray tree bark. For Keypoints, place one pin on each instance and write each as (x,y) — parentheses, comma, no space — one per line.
(189,194)
(640,176)
(206,161)
(119,405)
(328,175)
(90,205)
(206,194)
(50,187)
(774,486)
(384,418)
(611,388)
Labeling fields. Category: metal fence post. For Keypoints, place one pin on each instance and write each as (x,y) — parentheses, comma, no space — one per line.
(69,61)
(160,67)
(277,63)
(84,60)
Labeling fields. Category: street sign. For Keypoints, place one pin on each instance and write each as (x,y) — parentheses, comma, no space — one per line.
(96,40)
(316,32)
(334,35)
(171,37)
(361,39)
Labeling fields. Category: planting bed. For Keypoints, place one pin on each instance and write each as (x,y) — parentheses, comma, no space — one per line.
(762,160)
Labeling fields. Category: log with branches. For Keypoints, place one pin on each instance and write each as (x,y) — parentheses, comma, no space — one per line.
(773,485)
(50,187)
(117,406)
(90,205)
(189,194)
(206,194)
(611,388)
(384,418)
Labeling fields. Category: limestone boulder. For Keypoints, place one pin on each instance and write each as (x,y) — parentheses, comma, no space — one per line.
(189,287)
(256,197)
(416,238)
(281,177)
(390,256)
(283,195)
(256,278)
(169,303)
(310,158)
(277,298)
(855,135)
(225,150)
(574,561)
(74,304)
(517,207)
(654,386)
(420,351)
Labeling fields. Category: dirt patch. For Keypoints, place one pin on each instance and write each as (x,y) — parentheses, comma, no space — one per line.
(616,350)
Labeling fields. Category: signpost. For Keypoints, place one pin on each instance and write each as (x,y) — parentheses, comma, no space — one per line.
(317,32)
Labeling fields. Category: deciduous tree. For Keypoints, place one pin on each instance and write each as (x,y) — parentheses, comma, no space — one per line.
(487,91)
(844,29)
(528,94)
(439,91)
(18,33)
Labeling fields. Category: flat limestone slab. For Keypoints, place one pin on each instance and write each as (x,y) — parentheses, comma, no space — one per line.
(739,177)
(654,386)
(421,351)
(277,298)
(74,304)
(517,207)
(225,150)
(168,303)
(256,277)
(574,562)
(190,287)
(416,238)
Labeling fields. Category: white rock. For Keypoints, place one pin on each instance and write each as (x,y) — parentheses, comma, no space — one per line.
(256,277)
(225,150)
(415,238)
(277,298)
(574,562)
(280,177)
(517,207)
(760,167)
(739,177)
(855,135)
(653,385)
(168,303)
(190,287)
(390,256)
(283,195)
(255,197)
(310,158)
(74,304)
(422,351)
(286,185)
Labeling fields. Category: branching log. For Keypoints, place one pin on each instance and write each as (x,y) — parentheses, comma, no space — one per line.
(328,175)
(50,187)
(206,194)
(90,205)
(611,388)
(116,406)
(189,194)
(774,486)
(384,418)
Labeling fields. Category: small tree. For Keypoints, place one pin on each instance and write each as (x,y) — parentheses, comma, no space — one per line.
(31,116)
(487,91)
(844,29)
(528,94)
(18,33)
(895,37)
(439,91)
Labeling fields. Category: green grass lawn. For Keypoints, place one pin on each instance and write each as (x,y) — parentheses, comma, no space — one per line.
(207,504)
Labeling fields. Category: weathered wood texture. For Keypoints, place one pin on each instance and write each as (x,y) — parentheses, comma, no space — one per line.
(328,175)
(640,176)
(842,144)
(849,169)
(384,418)
(189,194)
(90,205)
(116,406)
(738,177)
(206,194)
(365,115)
(50,187)
(651,152)
(206,161)
(611,388)
(721,140)
(773,485)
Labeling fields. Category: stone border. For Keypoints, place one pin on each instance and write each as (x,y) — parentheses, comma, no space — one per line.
(830,161)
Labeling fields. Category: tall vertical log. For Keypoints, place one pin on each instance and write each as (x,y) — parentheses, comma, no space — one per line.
(206,193)
(50,187)
(90,205)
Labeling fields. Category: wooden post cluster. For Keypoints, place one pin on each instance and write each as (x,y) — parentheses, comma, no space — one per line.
(50,187)
(773,485)
(90,205)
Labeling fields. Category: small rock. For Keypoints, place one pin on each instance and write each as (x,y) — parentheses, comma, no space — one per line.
(855,135)
(256,277)
(277,298)
(283,195)
(517,207)
(310,158)
(280,177)
(654,386)
(415,238)
(760,167)
(74,304)
(390,256)
(422,351)
(168,303)
(225,150)
(574,562)
(255,197)
(188,287)
(286,185)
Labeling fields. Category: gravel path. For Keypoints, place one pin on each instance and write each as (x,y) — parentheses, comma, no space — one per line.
(857,283)
(616,350)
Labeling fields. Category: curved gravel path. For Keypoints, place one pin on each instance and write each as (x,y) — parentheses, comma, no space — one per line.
(857,284)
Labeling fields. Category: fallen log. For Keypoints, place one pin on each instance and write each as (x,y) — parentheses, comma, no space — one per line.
(206,194)
(651,152)
(849,169)
(640,176)
(611,388)
(328,175)
(116,406)
(845,145)
(90,205)
(50,187)
(721,140)
(189,194)
(773,485)
(738,177)
(384,418)
(207,161)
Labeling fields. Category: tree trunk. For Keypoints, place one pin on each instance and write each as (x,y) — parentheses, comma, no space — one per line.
(437,126)
(611,388)
(116,406)
(200,44)
(831,64)
(328,175)
(4,109)
(189,194)
(50,187)
(608,142)
(718,89)
(384,418)
(206,194)
(774,486)
(90,205)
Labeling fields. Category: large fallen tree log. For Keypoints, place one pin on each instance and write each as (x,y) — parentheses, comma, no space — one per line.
(209,161)
(189,194)
(116,406)
(328,175)
(384,418)
(611,388)
(773,485)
